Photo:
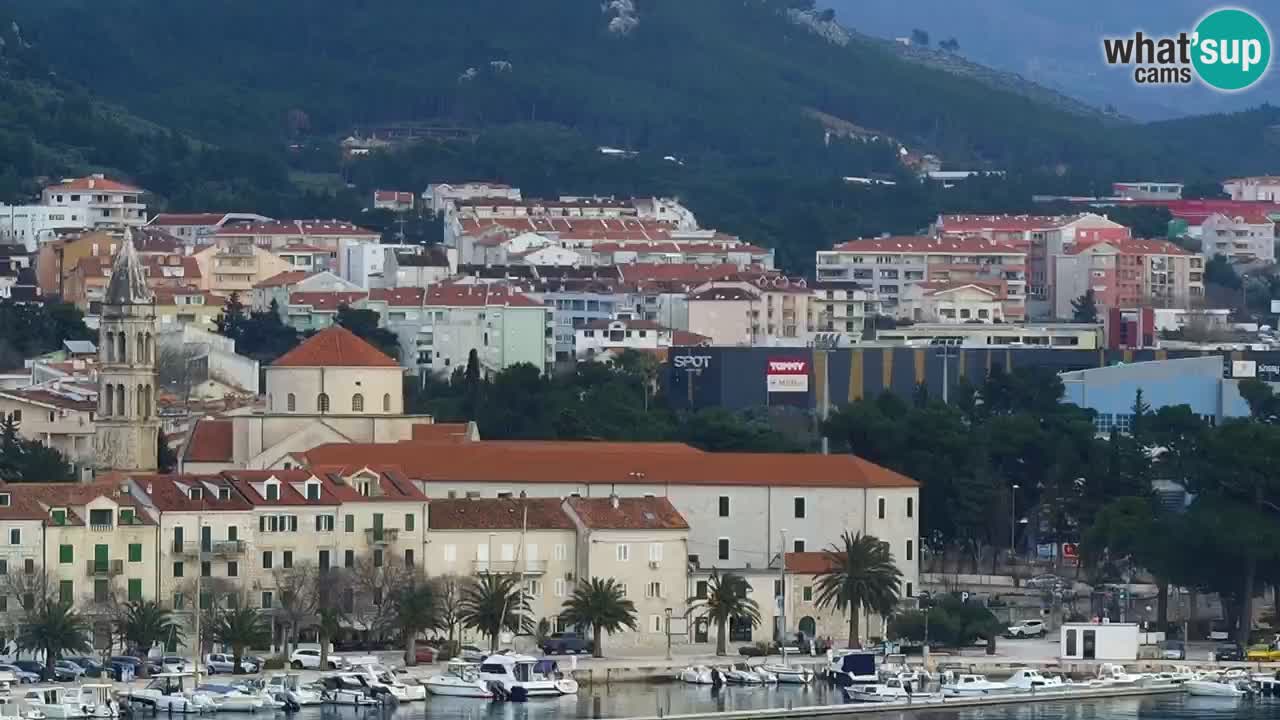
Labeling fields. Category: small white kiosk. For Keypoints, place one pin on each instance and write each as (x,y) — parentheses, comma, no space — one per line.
(1116,642)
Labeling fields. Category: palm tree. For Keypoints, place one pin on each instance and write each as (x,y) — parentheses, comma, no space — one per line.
(416,607)
(493,604)
(144,624)
(601,605)
(54,628)
(726,600)
(241,627)
(862,578)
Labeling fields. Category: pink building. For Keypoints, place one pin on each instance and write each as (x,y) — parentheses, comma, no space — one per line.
(1127,273)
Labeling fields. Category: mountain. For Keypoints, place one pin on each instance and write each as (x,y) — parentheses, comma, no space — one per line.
(1058,45)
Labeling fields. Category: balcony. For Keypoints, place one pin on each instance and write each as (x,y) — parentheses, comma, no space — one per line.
(385,536)
(223,548)
(509,567)
(103,568)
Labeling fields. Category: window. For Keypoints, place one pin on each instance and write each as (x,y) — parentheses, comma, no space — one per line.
(724,506)
(101,518)
(724,548)
(59,517)
(558,587)
(135,552)
(273,491)
(324,523)
(881,508)
(655,552)
(377,558)
(322,560)
(623,588)
(533,588)
(177,569)
(911,507)
(206,569)
(15,536)
(4,567)
(408,557)
(807,593)
(349,559)
(909,589)
(66,554)
(66,592)
(286,559)
(291,402)
(560,551)
(386,402)
(266,560)
(623,551)
(653,590)
(126,516)
(135,590)
(910,547)
(656,623)
(798,545)
(700,589)
(357,403)
(349,523)
(409,519)
(322,402)
(313,492)
(268,601)
(799,507)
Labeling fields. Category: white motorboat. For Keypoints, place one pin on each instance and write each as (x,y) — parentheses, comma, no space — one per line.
(87,701)
(969,685)
(852,667)
(788,674)
(1032,679)
(1218,687)
(518,677)
(459,679)
(380,676)
(741,674)
(170,692)
(891,690)
(288,688)
(228,698)
(10,709)
(697,675)
(342,688)
(1112,675)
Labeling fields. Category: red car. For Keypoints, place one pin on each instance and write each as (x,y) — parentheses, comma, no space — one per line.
(425,653)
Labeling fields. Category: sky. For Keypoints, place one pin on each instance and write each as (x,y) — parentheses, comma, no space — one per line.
(1059,44)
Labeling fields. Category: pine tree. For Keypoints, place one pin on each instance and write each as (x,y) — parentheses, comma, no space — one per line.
(231,322)
(1084,309)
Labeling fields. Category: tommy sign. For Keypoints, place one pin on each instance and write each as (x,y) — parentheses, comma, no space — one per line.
(787,375)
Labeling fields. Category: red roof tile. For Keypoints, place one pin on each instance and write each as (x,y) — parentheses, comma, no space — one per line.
(1003,223)
(335,347)
(498,514)
(171,219)
(925,244)
(486,295)
(398,297)
(173,492)
(612,463)
(392,485)
(1133,246)
(633,513)
(441,432)
(211,441)
(813,562)
(325,300)
(603,229)
(94,183)
(23,504)
(244,481)
(53,495)
(288,277)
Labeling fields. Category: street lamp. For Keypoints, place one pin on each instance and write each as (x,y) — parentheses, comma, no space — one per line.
(667,612)
(1013,514)
(782,588)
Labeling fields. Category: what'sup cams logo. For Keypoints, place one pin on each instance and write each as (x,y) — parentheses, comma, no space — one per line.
(1229,50)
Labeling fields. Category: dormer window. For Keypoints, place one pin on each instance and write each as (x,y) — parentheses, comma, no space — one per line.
(224,493)
(4,500)
(313,491)
(273,490)
(365,487)
(59,516)
(196,493)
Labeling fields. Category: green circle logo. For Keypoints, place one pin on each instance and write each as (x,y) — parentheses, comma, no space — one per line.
(1232,49)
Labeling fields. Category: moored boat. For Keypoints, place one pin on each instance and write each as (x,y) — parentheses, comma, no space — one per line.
(459,679)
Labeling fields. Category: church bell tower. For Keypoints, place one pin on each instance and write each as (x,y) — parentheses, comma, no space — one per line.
(127,429)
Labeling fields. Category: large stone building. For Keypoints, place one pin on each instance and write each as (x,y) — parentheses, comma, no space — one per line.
(128,426)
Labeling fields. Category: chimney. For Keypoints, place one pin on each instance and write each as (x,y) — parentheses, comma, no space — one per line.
(613,500)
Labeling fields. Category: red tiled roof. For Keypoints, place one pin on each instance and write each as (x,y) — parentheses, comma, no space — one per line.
(486,295)
(211,441)
(440,432)
(168,295)
(1249,215)
(813,562)
(322,228)
(722,293)
(23,503)
(325,300)
(642,513)
(172,492)
(335,347)
(47,397)
(684,338)
(925,244)
(689,272)
(498,514)
(574,228)
(172,219)
(398,297)
(154,240)
(69,494)
(94,183)
(392,196)
(1003,223)
(288,277)
(392,485)
(612,463)
(1133,246)
(244,480)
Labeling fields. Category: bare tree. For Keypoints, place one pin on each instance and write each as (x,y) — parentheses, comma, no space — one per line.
(296,604)
(452,588)
(216,594)
(372,583)
(32,587)
(173,366)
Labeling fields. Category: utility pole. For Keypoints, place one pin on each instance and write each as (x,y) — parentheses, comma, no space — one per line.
(782,588)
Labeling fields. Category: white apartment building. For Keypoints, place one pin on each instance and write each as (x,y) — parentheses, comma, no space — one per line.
(1262,188)
(1242,236)
(502,325)
(943,302)
(843,306)
(600,339)
(56,414)
(889,264)
(29,225)
(200,228)
(441,197)
(108,204)
(332,235)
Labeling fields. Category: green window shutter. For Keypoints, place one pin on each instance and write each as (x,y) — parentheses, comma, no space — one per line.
(59,517)
(350,523)
(66,554)
(408,522)
(135,552)
(135,590)
(233,533)
(126,516)
(66,592)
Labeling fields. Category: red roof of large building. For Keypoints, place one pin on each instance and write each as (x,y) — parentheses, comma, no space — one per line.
(246,482)
(325,299)
(336,228)
(813,562)
(573,228)
(288,277)
(1003,223)
(211,441)
(631,513)
(441,432)
(498,514)
(173,219)
(335,347)
(612,463)
(924,244)
(1133,246)
(94,182)
(398,297)
(191,493)
(484,295)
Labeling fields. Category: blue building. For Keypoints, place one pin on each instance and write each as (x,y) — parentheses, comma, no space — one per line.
(1199,382)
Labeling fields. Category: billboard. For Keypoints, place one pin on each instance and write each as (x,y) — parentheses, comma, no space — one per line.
(787,375)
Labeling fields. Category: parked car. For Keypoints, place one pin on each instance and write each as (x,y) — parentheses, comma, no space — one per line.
(1229,651)
(225,663)
(1262,653)
(24,677)
(1047,582)
(568,643)
(68,670)
(309,659)
(424,653)
(92,668)
(1174,650)
(175,663)
(471,653)
(1027,628)
(40,671)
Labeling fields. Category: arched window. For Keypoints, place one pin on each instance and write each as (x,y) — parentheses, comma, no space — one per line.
(120,342)
(291,402)
(108,347)
(120,406)
(141,350)
(108,404)
(386,402)
(357,403)
(151,350)
(322,402)
(139,401)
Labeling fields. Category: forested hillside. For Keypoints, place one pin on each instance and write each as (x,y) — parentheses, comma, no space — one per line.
(216,93)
